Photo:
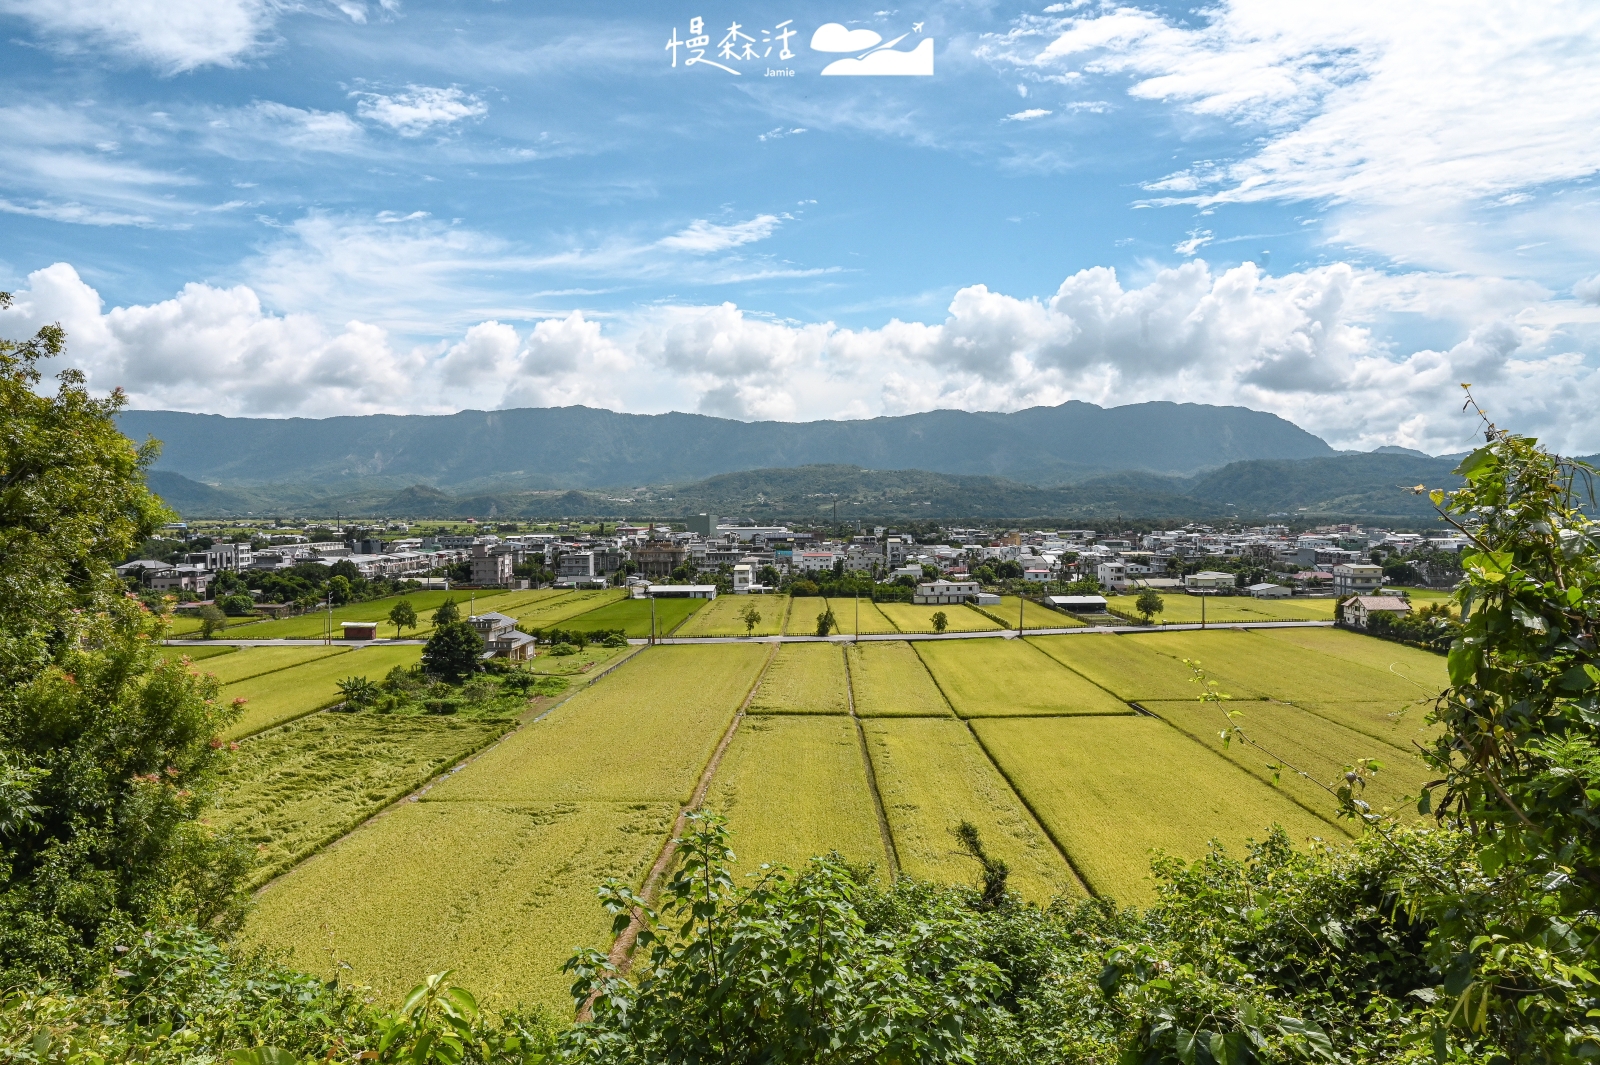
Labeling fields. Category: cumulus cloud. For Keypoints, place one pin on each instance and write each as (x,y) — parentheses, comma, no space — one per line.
(1306,345)
(419,108)
(171,35)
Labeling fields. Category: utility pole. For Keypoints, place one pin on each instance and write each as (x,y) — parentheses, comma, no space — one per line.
(652,621)
(1022,604)
(1203,598)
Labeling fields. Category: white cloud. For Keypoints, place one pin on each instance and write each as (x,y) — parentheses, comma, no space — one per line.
(1306,345)
(1029,115)
(1415,119)
(275,127)
(171,35)
(1588,290)
(419,109)
(702,237)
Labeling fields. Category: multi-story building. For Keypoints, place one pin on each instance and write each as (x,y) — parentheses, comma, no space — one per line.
(1355,578)
(491,567)
(658,558)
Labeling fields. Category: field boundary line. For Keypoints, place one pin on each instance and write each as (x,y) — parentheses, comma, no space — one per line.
(890,849)
(1049,834)
(416,793)
(1085,676)
(621,952)
(937,686)
(1048,717)
(279,669)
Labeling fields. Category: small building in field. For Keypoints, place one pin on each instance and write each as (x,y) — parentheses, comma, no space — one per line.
(1209,581)
(359,630)
(681,591)
(501,638)
(942,592)
(1078,604)
(1268,591)
(1359,610)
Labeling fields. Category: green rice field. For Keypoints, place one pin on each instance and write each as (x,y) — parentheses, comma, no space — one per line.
(932,776)
(1181,608)
(720,617)
(1034,616)
(291,790)
(553,611)
(889,679)
(804,678)
(311,626)
(633,616)
(908,617)
(1003,678)
(286,694)
(803,616)
(641,734)
(795,786)
(493,870)
(1090,780)
(199,654)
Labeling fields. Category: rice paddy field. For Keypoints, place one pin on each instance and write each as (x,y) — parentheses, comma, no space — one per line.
(889,679)
(633,617)
(803,616)
(805,678)
(933,775)
(296,788)
(492,870)
(1034,616)
(908,617)
(1183,609)
(720,617)
(311,626)
(1091,781)
(283,695)
(197,654)
(1004,678)
(551,611)
(795,786)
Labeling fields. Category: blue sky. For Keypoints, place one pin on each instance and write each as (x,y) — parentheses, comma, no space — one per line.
(264,208)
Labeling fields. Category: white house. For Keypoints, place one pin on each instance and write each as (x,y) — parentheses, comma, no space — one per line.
(1362,607)
(1357,578)
(940,592)
(1113,576)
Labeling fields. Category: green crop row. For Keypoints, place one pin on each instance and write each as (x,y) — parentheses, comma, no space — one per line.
(793,787)
(250,662)
(932,776)
(312,626)
(634,617)
(1114,790)
(999,678)
(804,678)
(275,698)
(890,680)
(720,617)
(293,789)
(909,617)
(1182,609)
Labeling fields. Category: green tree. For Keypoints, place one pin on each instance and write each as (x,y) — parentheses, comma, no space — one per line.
(751,618)
(453,651)
(940,621)
(1149,604)
(358,691)
(212,621)
(339,589)
(402,616)
(105,752)
(826,622)
(447,612)
(237,606)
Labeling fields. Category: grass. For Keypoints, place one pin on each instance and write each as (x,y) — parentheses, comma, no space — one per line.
(1034,616)
(1130,669)
(794,787)
(592,658)
(275,698)
(804,610)
(932,776)
(641,735)
(1183,609)
(311,626)
(633,616)
(720,617)
(804,678)
(890,680)
(1250,661)
(295,788)
(250,662)
(996,678)
(908,617)
(1113,789)
(1321,747)
(498,892)
(553,611)
(1424,667)
(197,654)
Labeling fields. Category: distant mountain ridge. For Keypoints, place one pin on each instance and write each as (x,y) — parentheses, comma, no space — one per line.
(582,447)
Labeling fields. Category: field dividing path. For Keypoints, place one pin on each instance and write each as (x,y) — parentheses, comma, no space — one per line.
(872,775)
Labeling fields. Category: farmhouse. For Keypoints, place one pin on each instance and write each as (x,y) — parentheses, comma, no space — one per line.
(1208,580)
(941,592)
(1362,607)
(501,638)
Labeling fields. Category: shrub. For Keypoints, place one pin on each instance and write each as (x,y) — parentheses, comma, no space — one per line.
(452,651)
(237,606)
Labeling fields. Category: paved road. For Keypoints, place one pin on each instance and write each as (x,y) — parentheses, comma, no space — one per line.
(987,634)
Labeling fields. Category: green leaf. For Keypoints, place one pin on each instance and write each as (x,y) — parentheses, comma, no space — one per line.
(1458,977)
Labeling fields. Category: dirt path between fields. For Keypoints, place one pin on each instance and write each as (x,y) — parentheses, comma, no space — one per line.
(872,774)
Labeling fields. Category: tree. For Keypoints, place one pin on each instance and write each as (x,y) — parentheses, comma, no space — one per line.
(105,753)
(402,616)
(339,589)
(826,622)
(940,621)
(751,618)
(211,621)
(1149,604)
(447,612)
(453,651)
(358,691)
(237,606)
